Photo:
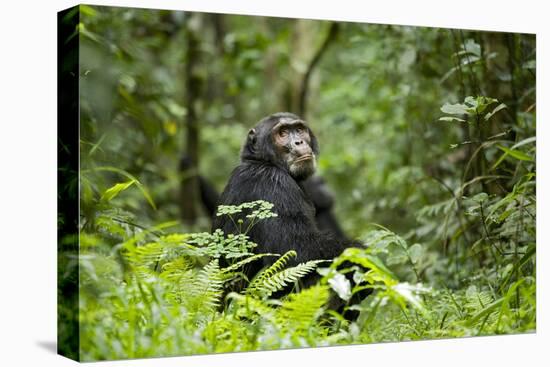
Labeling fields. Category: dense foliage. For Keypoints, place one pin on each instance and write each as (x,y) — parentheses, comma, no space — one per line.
(427,140)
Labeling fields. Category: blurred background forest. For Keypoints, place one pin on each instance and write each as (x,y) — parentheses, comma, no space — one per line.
(427,132)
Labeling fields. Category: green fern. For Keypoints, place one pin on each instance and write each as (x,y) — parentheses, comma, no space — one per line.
(247,307)
(301,310)
(275,277)
(143,260)
(178,275)
(205,292)
(272,270)
(146,255)
(245,261)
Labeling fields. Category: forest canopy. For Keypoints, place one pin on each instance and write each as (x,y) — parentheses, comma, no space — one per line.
(427,140)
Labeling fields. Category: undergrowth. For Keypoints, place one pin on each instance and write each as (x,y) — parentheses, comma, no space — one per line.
(149,292)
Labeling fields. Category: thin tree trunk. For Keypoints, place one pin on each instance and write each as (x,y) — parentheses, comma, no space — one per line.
(304,87)
(189,183)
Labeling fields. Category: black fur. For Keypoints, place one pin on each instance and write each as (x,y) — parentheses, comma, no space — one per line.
(323,200)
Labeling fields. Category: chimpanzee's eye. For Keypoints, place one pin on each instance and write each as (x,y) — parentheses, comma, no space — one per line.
(300,130)
(283,133)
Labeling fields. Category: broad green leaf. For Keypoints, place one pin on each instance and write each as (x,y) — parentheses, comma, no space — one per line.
(341,286)
(358,256)
(471,101)
(472,47)
(112,192)
(455,109)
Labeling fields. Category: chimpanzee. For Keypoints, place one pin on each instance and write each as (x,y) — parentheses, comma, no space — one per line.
(278,155)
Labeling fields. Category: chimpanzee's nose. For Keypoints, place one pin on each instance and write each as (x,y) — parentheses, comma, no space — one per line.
(298,142)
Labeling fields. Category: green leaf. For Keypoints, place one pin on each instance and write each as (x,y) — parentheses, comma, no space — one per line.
(472,47)
(495,110)
(455,109)
(531,251)
(469,59)
(499,161)
(530,64)
(341,285)
(516,154)
(480,198)
(451,119)
(415,252)
(112,192)
(410,293)
(532,139)
(87,10)
(121,172)
(358,256)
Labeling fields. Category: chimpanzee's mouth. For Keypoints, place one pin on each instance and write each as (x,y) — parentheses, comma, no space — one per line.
(306,157)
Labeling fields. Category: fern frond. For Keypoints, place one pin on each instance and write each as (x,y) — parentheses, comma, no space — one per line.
(144,255)
(144,273)
(143,259)
(245,261)
(301,310)
(206,290)
(272,270)
(277,281)
(179,275)
(174,269)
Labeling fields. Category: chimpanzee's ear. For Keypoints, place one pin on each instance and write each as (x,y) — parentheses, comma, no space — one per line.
(252,136)
(249,148)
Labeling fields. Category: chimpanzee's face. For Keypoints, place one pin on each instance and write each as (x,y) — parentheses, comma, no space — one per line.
(293,143)
(285,140)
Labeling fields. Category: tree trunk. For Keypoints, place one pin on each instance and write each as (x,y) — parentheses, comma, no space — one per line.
(304,87)
(189,182)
